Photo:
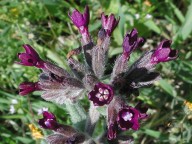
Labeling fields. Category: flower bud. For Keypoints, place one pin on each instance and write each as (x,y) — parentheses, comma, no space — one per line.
(28,87)
(164,53)
(30,57)
(81,21)
(130,42)
(109,23)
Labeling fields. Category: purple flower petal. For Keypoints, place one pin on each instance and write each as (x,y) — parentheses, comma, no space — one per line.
(128,118)
(48,115)
(48,121)
(79,19)
(109,23)
(131,42)
(164,53)
(28,87)
(30,57)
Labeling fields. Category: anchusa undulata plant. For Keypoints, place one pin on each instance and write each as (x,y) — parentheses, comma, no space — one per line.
(88,79)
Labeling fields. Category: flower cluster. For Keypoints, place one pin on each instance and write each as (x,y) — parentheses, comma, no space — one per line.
(59,85)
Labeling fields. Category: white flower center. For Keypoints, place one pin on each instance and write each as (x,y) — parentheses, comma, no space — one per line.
(127,116)
(103,94)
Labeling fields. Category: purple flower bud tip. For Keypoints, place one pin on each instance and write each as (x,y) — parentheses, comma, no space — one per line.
(102,94)
(78,19)
(164,53)
(28,87)
(109,23)
(111,133)
(30,57)
(128,118)
(131,42)
(48,121)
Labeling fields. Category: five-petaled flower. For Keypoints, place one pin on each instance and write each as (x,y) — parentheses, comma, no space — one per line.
(48,121)
(128,117)
(130,42)
(164,53)
(109,23)
(102,94)
(28,87)
(30,57)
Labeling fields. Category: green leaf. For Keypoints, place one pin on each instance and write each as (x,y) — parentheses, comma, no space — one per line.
(186,27)
(151,25)
(153,133)
(102,110)
(16,116)
(177,12)
(77,114)
(167,87)
(24,139)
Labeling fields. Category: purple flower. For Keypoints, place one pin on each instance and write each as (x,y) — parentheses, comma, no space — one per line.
(164,53)
(30,57)
(102,94)
(28,87)
(48,121)
(128,117)
(79,19)
(131,42)
(109,23)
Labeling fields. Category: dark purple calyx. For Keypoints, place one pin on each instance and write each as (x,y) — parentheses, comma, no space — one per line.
(28,87)
(109,23)
(48,121)
(127,118)
(30,57)
(130,42)
(164,53)
(101,95)
(112,131)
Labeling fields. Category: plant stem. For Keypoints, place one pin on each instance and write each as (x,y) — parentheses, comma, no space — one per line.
(92,119)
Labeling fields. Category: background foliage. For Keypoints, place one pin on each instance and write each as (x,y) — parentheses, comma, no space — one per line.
(45,25)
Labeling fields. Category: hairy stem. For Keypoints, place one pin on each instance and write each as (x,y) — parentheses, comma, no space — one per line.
(92,119)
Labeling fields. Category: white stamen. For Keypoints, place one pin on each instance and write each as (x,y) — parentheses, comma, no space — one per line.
(101,90)
(98,95)
(106,92)
(105,97)
(127,116)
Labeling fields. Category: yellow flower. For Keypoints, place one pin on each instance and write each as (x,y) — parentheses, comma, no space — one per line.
(188,105)
(35,132)
(147,3)
(14,11)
